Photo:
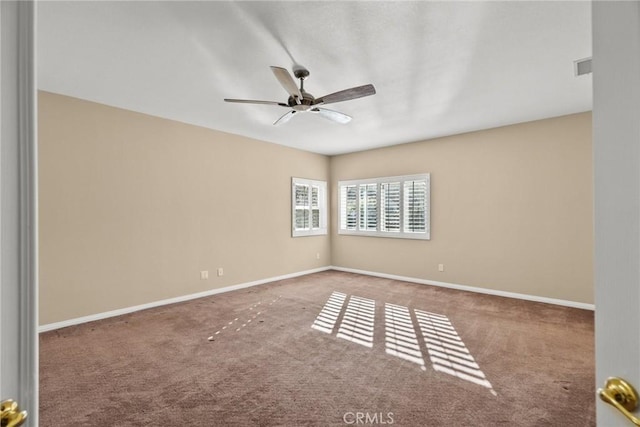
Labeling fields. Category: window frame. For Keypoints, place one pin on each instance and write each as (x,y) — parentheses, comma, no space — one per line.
(401,234)
(322,207)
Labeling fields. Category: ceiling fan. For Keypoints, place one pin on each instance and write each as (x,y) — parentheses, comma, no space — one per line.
(301,101)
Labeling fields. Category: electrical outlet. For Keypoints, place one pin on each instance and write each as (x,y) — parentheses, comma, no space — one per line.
(318,255)
(440,267)
(220,272)
(204,275)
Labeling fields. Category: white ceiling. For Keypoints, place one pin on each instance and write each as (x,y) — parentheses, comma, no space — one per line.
(439,68)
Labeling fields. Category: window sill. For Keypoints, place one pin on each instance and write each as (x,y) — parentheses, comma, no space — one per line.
(305,233)
(390,235)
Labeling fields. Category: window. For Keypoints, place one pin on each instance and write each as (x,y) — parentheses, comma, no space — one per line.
(309,207)
(385,207)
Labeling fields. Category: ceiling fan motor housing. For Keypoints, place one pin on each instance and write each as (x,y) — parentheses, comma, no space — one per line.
(307,99)
(305,103)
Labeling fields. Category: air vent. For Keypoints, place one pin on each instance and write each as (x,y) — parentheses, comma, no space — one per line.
(582,66)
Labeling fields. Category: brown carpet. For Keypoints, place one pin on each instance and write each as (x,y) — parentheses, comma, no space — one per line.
(434,357)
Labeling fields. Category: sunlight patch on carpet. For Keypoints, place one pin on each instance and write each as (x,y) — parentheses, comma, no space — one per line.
(403,334)
(446,350)
(251,315)
(326,320)
(358,321)
(400,336)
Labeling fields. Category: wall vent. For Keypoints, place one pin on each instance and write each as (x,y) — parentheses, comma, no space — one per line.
(582,66)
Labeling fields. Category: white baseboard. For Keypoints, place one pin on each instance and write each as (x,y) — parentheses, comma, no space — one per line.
(126,310)
(535,298)
(121,311)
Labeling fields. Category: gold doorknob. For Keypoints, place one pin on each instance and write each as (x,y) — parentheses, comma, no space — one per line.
(11,415)
(620,394)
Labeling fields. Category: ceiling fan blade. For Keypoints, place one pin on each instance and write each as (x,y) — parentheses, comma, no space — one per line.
(285,118)
(347,94)
(252,101)
(335,116)
(287,82)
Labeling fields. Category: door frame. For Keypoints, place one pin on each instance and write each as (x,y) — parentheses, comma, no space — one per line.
(18,207)
(616,160)
(19,220)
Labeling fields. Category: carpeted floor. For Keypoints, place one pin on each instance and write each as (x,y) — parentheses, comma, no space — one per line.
(328,349)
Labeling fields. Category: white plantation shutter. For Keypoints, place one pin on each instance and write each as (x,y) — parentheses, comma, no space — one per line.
(349,207)
(415,196)
(301,206)
(390,207)
(386,207)
(315,207)
(309,207)
(368,207)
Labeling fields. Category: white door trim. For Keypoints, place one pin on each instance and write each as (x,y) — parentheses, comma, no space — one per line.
(18,206)
(616,155)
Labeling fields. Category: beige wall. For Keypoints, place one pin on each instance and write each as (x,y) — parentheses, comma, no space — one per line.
(133,207)
(511,209)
